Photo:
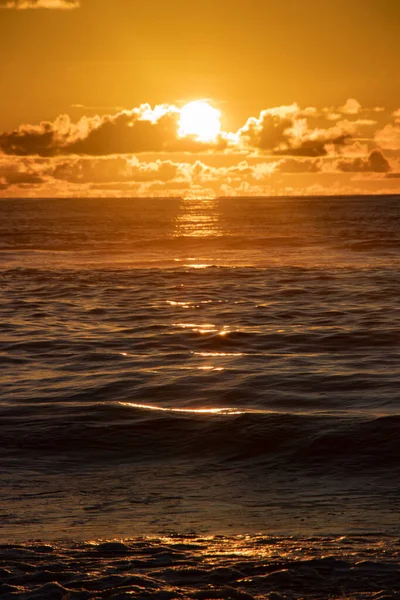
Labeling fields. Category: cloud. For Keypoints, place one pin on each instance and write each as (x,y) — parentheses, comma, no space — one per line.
(73,175)
(138,130)
(375,163)
(396,115)
(389,137)
(39,4)
(128,132)
(112,169)
(268,132)
(84,176)
(286,131)
(352,107)
(306,148)
(14,173)
(83,107)
(293,165)
(284,150)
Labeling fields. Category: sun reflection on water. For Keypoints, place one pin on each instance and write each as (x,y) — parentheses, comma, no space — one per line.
(204,328)
(199,411)
(218,354)
(181,304)
(198,218)
(198,265)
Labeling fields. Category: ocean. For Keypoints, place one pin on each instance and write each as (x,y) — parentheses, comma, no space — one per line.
(194,375)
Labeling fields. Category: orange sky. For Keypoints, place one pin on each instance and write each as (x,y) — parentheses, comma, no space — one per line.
(78,78)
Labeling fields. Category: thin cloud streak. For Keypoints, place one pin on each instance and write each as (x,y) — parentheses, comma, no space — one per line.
(40,4)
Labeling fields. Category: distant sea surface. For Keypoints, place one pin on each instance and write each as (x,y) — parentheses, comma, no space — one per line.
(199,366)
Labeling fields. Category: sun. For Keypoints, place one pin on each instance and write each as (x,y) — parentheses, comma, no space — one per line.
(201,120)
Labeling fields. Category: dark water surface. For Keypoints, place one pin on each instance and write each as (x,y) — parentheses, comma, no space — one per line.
(222,366)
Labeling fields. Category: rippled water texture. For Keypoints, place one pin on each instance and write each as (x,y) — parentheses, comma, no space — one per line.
(213,366)
(240,568)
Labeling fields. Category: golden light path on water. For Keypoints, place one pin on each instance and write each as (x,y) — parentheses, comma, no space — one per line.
(198,218)
(217,354)
(199,411)
(233,412)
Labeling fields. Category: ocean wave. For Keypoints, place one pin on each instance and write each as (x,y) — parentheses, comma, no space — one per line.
(135,431)
(238,355)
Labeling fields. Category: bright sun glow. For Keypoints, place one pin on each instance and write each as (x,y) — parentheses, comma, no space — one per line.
(200,119)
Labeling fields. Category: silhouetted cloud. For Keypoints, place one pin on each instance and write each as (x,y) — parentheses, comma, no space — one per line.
(121,169)
(285,150)
(308,148)
(268,132)
(12,173)
(126,175)
(39,4)
(376,162)
(141,129)
(286,131)
(293,165)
